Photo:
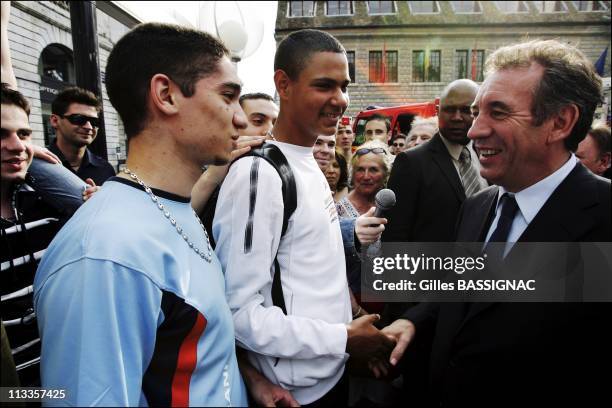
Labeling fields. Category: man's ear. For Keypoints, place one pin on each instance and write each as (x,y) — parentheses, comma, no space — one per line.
(162,94)
(282,83)
(54,121)
(604,162)
(563,123)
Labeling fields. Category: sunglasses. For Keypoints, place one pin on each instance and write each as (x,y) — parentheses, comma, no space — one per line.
(375,150)
(81,120)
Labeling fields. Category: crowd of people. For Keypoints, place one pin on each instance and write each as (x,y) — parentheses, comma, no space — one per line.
(222,265)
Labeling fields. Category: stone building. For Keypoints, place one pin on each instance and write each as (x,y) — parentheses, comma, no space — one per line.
(40,39)
(428,44)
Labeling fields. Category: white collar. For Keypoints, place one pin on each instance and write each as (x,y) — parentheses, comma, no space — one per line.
(455,149)
(293,148)
(531,199)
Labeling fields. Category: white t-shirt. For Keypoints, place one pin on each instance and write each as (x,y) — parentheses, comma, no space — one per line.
(311,339)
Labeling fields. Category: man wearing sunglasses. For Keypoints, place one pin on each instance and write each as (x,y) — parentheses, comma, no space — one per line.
(75,120)
(399,144)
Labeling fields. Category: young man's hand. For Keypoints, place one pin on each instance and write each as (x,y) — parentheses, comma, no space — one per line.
(45,154)
(243,145)
(89,191)
(264,392)
(368,348)
(267,394)
(214,175)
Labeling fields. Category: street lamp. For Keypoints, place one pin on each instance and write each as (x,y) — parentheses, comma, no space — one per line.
(226,20)
(234,36)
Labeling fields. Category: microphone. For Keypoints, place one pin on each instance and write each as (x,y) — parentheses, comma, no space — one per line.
(384,201)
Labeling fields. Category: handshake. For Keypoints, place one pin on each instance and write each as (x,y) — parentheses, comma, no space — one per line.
(376,352)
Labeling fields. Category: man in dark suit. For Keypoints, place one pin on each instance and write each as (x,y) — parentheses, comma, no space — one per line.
(430,180)
(531,112)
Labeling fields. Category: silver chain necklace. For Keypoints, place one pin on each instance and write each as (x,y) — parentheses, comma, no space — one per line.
(269,133)
(13,208)
(206,256)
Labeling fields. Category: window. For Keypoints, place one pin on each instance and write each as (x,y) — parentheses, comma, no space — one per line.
(391,67)
(56,69)
(461,7)
(301,8)
(433,70)
(512,6)
(590,5)
(350,56)
(375,66)
(426,66)
(470,64)
(418,66)
(339,8)
(550,6)
(381,7)
(423,7)
(56,63)
(383,71)
(462,57)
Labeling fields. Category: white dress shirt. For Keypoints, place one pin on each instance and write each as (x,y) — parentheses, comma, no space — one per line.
(530,200)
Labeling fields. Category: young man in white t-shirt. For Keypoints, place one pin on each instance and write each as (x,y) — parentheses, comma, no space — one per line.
(304,350)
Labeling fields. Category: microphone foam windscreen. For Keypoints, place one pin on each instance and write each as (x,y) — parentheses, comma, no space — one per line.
(385,199)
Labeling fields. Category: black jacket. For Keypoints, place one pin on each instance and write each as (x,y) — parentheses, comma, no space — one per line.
(524,354)
(428,194)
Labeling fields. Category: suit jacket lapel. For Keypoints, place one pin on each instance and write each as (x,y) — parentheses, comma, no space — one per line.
(559,220)
(443,159)
(487,209)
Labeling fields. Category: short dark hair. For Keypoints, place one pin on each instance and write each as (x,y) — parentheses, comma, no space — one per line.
(399,136)
(569,78)
(380,117)
(294,50)
(74,95)
(13,97)
(255,95)
(601,136)
(185,55)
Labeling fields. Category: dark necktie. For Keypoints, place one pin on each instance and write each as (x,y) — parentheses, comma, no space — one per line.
(509,207)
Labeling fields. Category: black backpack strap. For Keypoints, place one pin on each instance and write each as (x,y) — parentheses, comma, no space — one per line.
(248,232)
(273,155)
(278,298)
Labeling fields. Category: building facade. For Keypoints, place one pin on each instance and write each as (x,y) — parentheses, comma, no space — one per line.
(40,39)
(407,51)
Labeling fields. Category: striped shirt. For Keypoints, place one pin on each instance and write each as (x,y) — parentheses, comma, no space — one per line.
(24,239)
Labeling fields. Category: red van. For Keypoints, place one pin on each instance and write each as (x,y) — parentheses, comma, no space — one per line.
(400,117)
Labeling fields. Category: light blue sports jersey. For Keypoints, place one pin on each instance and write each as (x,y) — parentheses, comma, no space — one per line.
(129,314)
